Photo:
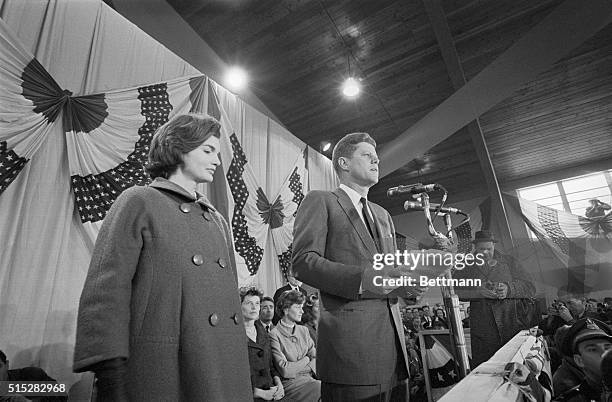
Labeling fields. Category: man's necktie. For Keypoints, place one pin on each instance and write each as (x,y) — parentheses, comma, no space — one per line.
(367,218)
(268,328)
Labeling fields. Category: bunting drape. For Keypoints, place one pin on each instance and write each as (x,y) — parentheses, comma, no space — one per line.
(70,142)
(581,248)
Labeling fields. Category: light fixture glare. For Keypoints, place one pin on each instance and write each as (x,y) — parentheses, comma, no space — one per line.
(351,87)
(236,78)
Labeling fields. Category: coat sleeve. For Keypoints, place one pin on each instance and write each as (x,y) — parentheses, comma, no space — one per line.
(273,370)
(309,246)
(286,368)
(103,322)
(229,240)
(467,292)
(312,353)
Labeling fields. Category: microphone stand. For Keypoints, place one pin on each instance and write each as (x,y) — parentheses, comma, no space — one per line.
(451,300)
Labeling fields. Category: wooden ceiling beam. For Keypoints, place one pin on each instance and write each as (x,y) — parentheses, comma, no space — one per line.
(436,15)
(566,27)
(559,174)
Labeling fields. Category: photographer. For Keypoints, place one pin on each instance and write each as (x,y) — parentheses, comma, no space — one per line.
(502,304)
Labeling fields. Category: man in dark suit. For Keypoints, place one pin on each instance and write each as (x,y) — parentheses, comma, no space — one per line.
(293,284)
(361,352)
(426,321)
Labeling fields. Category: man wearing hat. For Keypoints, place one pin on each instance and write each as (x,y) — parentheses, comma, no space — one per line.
(499,308)
(587,340)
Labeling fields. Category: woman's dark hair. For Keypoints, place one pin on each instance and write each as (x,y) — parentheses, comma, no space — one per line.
(288,299)
(250,291)
(180,135)
(308,315)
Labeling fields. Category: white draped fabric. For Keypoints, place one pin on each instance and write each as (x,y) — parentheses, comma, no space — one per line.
(45,250)
(87,48)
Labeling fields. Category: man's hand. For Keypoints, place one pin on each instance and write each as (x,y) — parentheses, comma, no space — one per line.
(561,311)
(502,290)
(416,291)
(487,293)
(443,243)
(565,314)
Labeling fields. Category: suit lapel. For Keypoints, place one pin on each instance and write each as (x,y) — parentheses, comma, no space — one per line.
(353,217)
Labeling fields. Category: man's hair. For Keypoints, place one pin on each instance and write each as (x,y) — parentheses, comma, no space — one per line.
(309,315)
(2,357)
(180,135)
(347,145)
(288,299)
(267,299)
(250,291)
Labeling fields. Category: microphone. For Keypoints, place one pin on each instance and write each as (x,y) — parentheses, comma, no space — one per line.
(416,206)
(412,189)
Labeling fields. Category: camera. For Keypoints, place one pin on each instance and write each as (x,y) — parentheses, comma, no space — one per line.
(557,305)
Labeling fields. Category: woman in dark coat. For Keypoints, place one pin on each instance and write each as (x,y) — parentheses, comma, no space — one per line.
(159,316)
(439,322)
(310,318)
(265,380)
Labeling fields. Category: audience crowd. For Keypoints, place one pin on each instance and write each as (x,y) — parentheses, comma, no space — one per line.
(577,330)
(282,356)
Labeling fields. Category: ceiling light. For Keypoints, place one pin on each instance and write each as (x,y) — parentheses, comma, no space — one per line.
(325,146)
(351,87)
(236,79)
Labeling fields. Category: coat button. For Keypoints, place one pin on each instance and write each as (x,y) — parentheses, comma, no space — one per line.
(185,207)
(222,263)
(260,353)
(236,319)
(213,319)
(197,259)
(206,215)
(262,372)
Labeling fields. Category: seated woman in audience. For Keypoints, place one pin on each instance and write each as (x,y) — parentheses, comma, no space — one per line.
(294,351)
(439,322)
(265,380)
(310,318)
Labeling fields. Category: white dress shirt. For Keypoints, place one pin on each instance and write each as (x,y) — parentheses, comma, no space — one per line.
(356,200)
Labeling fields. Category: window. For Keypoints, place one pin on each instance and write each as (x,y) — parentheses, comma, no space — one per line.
(572,195)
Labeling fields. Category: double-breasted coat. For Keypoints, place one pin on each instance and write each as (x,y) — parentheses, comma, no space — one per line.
(161,291)
(260,360)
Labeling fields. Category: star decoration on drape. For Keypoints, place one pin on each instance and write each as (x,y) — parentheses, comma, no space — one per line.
(94,194)
(246,245)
